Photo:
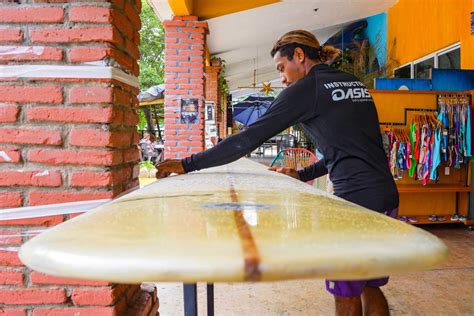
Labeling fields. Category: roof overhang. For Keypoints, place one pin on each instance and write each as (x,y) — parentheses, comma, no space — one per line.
(242,32)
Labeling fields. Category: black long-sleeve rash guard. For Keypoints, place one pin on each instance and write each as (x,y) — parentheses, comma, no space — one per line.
(338,113)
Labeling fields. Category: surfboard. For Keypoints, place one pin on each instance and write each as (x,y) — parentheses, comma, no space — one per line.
(233,223)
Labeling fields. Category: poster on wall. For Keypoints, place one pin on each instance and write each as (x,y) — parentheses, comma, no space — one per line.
(209,112)
(210,124)
(189,111)
(211,135)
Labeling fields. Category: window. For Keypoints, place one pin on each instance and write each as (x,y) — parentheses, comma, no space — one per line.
(403,72)
(447,58)
(450,59)
(423,68)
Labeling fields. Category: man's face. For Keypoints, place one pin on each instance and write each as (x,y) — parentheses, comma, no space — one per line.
(290,70)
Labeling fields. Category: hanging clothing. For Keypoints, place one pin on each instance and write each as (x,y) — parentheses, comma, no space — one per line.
(412,168)
(468,131)
(436,157)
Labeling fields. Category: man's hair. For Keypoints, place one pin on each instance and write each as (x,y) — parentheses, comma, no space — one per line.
(287,44)
(288,51)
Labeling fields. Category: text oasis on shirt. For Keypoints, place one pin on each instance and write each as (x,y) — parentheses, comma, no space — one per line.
(354,90)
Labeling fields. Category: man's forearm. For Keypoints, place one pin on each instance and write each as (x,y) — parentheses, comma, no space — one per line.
(314,171)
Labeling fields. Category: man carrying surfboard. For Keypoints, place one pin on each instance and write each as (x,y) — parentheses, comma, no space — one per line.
(337,112)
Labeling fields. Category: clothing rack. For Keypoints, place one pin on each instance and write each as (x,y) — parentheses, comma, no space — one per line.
(405,115)
(468,96)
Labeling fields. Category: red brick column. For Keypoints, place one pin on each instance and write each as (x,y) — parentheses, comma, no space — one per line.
(185,38)
(213,94)
(66,134)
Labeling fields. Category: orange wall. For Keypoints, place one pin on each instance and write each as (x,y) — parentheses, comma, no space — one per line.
(422,27)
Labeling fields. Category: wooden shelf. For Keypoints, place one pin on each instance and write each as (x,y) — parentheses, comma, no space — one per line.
(432,188)
(154,102)
(416,92)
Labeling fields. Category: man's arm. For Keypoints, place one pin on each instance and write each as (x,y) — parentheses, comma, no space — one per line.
(295,104)
(314,171)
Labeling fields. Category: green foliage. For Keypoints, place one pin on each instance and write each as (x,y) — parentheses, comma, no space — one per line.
(151,48)
(141,120)
(362,63)
(223,84)
(147,164)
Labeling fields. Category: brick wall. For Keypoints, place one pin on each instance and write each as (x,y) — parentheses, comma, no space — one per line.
(65,137)
(185,38)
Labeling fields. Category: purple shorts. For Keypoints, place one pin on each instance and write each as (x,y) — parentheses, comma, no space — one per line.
(355,288)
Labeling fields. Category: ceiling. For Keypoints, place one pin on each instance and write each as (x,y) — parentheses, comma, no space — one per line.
(244,38)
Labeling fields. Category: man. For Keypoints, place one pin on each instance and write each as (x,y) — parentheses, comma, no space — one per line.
(338,113)
(150,148)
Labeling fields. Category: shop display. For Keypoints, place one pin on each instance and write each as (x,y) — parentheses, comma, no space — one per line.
(427,139)
(439,137)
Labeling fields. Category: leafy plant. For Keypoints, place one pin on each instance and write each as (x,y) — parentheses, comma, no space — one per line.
(362,62)
(223,84)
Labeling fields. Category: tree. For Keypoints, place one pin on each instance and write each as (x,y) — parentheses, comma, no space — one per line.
(151,48)
(151,61)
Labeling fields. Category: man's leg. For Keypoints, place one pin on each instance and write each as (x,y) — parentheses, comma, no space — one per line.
(374,302)
(348,306)
(347,296)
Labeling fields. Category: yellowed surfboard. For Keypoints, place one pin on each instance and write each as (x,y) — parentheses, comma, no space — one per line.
(233,223)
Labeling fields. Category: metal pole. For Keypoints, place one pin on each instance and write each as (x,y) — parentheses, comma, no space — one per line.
(190,299)
(157,122)
(210,299)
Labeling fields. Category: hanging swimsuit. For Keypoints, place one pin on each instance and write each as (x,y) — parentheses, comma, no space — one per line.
(393,160)
(390,137)
(436,158)
(444,138)
(400,156)
(457,140)
(400,159)
(462,132)
(412,167)
(386,142)
(451,137)
(408,156)
(417,143)
(446,132)
(426,157)
(468,131)
(422,154)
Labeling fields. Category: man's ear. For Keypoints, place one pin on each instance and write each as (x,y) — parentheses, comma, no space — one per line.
(299,54)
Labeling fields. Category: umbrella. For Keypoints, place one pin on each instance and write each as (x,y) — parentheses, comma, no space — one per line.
(153,93)
(251,114)
(250,102)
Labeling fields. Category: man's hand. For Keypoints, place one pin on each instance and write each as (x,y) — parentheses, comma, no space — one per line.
(288,171)
(168,167)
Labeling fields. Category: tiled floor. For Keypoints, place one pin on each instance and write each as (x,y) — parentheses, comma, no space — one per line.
(448,290)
